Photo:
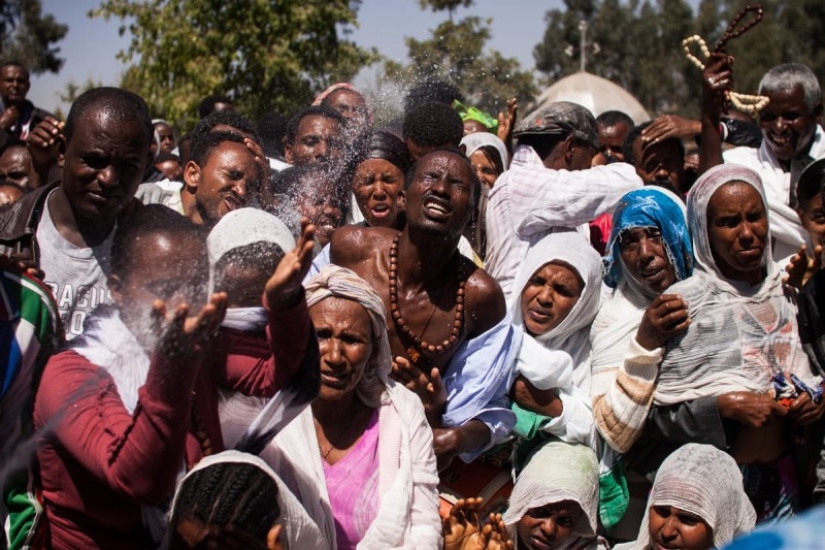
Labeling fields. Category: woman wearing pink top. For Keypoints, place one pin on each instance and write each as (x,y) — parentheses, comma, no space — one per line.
(361,459)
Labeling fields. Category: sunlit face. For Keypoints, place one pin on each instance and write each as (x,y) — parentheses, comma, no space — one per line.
(484,167)
(225,181)
(103,164)
(321,203)
(345,340)
(163,266)
(645,258)
(378,186)
(661,164)
(670,527)
(440,195)
(548,526)
(318,140)
(167,137)
(787,123)
(737,231)
(812,217)
(611,140)
(473,126)
(351,105)
(549,297)
(171,169)
(15,166)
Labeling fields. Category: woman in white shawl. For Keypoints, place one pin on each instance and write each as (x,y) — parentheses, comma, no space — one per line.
(559,284)
(361,458)
(742,347)
(554,505)
(697,502)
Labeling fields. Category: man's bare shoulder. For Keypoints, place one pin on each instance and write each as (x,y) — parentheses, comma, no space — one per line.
(355,243)
(484,299)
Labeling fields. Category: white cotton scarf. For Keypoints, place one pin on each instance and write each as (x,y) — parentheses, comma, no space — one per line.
(562,355)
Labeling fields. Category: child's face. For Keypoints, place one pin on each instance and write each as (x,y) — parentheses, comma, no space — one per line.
(812,217)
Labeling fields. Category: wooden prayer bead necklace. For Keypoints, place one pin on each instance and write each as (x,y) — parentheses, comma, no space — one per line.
(750,104)
(395,308)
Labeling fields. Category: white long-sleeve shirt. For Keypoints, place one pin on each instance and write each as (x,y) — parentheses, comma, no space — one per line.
(529,200)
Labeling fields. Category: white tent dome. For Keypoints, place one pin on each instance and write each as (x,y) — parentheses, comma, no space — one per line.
(596,93)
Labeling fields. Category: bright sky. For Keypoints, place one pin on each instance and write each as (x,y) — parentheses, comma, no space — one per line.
(91,44)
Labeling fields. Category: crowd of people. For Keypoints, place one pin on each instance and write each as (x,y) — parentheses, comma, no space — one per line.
(452,331)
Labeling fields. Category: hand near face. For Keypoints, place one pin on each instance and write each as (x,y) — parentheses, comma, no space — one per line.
(429,387)
(670,126)
(664,318)
(180,333)
(260,160)
(750,409)
(283,289)
(43,142)
(9,117)
(802,266)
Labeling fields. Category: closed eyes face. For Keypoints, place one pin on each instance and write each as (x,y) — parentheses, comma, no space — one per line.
(440,196)
(549,297)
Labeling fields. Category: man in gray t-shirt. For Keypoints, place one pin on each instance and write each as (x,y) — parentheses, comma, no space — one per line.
(66,229)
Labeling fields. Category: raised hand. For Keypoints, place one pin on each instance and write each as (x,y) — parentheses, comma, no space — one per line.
(179,333)
(670,126)
(428,386)
(260,160)
(462,525)
(665,317)
(507,122)
(283,289)
(717,83)
(802,266)
(9,118)
(42,142)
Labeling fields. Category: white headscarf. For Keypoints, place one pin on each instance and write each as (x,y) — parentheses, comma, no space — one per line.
(475,141)
(298,529)
(740,335)
(571,336)
(244,227)
(705,482)
(339,282)
(555,472)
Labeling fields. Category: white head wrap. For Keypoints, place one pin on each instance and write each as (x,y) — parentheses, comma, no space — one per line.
(298,530)
(244,227)
(572,335)
(555,472)
(475,141)
(705,482)
(339,282)
(741,335)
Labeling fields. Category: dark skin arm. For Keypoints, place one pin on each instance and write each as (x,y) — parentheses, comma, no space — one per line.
(665,317)
(717,78)
(43,142)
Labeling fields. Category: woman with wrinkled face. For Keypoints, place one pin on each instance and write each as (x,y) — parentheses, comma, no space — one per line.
(742,350)
(649,250)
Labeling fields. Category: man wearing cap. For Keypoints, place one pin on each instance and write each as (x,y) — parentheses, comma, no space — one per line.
(550,185)
(793,138)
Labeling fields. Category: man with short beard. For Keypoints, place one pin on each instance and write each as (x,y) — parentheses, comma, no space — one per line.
(793,138)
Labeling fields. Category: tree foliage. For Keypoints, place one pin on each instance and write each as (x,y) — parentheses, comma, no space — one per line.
(457,53)
(640,44)
(30,37)
(265,54)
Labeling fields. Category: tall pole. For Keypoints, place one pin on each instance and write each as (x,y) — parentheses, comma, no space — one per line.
(582,45)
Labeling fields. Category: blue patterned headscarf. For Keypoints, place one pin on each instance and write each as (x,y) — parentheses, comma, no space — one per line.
(650,207)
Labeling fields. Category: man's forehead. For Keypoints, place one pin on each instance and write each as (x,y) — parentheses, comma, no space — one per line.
(13,70)
(315,122)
